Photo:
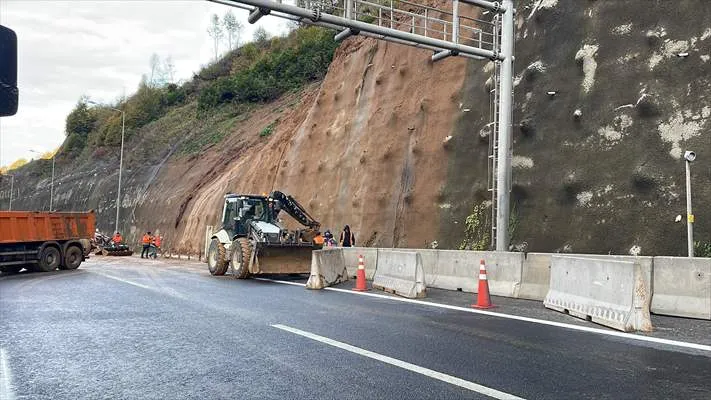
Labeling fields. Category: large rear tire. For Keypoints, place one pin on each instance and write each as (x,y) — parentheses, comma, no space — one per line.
(217,258)
(241,255)
(49,259)
(72,258)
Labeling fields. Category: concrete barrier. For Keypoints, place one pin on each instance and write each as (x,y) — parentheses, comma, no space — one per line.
(400,272)
(535,276)
(327,268)
(682,287)
(370,256)
(459,270)
(608,292)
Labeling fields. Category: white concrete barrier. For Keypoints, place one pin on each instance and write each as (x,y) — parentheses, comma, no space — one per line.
(400,272)
(535,276)
(682,287)
(459,270)
(327,268)
(370,258)
(611,293)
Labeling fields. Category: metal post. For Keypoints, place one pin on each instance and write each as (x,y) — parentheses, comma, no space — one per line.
(349,9)
(12,188)
(51,187)
(503,171)
(689,214)
(455,21)
(118,194)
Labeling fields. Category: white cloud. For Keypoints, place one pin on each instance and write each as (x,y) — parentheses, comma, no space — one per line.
(67,49)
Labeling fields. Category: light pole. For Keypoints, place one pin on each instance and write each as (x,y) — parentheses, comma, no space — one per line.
(51,187)
(118,191)
(689,157)
(12,188)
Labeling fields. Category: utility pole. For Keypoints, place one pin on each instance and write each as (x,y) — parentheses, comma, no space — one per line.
(118,191)
(12,188)
(51,187)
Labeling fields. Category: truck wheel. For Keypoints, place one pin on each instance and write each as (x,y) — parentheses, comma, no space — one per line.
(72,258)
(49,259)
(241,254)
(217,258)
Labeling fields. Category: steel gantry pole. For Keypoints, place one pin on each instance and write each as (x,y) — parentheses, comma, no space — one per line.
(503,162)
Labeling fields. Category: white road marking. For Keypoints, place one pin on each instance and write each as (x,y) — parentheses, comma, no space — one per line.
(126,281)
(403,364)
(625,335)
(6,391)
(283,282)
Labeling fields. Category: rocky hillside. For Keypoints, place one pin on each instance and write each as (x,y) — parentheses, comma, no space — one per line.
(608,95)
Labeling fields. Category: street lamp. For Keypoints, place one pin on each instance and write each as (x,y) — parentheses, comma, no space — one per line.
(689,157)
(51,187)
(12,188)
(123,129)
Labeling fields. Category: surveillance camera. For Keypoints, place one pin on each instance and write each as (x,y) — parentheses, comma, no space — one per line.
(689,156)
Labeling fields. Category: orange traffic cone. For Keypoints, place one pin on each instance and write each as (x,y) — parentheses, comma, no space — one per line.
(483,299)
(360,276)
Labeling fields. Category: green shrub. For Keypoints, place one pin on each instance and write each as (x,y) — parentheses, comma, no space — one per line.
(283,67)
(702,249)
(268,130)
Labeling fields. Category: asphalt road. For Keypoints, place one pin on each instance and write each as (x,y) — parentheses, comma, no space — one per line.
(135,329)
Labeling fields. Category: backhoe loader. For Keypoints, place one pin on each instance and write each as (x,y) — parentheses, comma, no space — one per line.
(252,240)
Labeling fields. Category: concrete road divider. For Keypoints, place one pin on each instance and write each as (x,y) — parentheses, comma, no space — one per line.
(400,272)
(459,270)
(535,276)
(611,293)
(327,268)
(370,256)
(682,287)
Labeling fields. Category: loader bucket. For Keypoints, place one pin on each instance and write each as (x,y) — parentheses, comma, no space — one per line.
(282,260)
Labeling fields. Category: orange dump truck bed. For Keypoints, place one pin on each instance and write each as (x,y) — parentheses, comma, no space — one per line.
(24,226)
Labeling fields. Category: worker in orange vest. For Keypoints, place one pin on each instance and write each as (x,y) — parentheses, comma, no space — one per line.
(117,238)
(155,246)
(146,241)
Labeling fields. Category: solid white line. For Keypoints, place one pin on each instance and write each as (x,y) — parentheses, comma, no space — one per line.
(403,364)
(6,392)
(625,335)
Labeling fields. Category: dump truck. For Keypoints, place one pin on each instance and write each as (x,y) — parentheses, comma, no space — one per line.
(44,241)
(252,240)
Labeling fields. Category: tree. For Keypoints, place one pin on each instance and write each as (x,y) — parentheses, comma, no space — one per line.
(168,70)
(261,35)
(216,33)
(80,121)
(233,28)
(16,164)
(155,70)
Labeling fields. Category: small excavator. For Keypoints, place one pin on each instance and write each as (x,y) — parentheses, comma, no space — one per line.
(253,241)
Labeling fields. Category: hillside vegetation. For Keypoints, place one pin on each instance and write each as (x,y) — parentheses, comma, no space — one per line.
(256,73)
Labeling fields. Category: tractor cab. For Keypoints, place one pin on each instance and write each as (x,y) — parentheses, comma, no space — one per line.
(239,210)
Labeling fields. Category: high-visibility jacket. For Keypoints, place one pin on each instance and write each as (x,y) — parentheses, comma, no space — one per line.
(117,238)
(146,239)
(156,241)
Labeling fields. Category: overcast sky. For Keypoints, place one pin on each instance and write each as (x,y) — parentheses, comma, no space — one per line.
(98,48)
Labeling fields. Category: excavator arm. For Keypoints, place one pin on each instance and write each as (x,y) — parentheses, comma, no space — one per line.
(296,210)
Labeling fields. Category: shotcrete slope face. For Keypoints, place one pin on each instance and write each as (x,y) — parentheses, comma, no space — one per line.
(396,146)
